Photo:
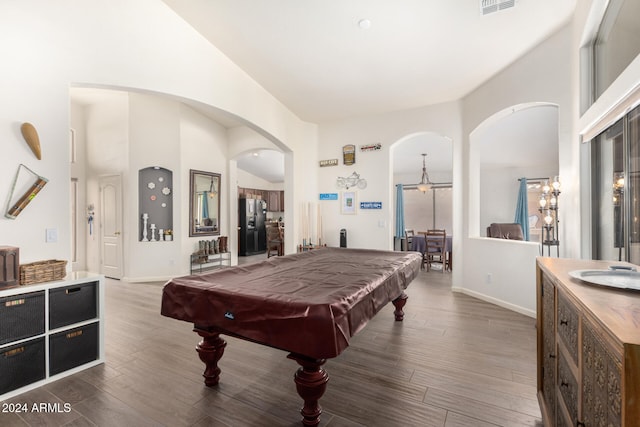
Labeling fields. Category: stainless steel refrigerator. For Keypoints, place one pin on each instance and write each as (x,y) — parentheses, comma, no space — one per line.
(253,235)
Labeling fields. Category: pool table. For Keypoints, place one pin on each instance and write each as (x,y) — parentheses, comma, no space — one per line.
(309,304)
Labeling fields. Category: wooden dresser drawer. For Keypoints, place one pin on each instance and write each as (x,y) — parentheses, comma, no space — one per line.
(568,388)
(548,346)
(568,326)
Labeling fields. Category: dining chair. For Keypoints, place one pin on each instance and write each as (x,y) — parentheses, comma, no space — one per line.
(408,234)
(274,241)
(435,248)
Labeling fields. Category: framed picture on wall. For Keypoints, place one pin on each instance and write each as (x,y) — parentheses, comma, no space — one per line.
(349,154)
(349,203)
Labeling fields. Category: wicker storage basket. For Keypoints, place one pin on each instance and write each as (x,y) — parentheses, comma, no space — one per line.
(42,271)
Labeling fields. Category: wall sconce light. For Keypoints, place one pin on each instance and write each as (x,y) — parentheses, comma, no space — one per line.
(352,180)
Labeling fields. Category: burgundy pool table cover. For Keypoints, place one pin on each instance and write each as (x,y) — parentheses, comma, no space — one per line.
(309,303)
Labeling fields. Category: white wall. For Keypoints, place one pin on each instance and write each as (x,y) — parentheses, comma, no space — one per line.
(79,171)
(154,140)
(89,43)
(247,180)
(300,183)
(504,275)
(72,42)
(374,229)
(549,73)
(203,145)
(132,132)
(499,188)
(543,75)
(106,144)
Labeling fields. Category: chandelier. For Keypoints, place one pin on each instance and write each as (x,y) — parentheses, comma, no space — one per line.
(424,185)
(352,180)
(212,191)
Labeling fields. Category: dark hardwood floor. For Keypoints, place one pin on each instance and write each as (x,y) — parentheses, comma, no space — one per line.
(454,361)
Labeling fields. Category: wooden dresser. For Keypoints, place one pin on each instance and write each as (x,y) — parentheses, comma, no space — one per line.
(588,348)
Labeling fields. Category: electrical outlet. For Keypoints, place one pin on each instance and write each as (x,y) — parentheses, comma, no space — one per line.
(51,235)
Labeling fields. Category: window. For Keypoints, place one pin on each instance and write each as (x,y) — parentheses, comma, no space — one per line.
(433,209)
(616,191)
(616,43)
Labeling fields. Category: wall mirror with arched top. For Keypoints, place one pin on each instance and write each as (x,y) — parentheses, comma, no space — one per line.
(204,205)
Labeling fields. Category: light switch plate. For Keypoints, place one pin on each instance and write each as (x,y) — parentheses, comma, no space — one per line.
(52,235)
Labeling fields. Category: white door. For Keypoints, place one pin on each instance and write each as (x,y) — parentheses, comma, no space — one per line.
(111,226)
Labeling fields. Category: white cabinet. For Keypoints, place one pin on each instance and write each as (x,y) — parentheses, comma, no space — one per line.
(50,330)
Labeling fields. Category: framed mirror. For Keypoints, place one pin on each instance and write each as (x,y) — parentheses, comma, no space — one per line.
(204,205)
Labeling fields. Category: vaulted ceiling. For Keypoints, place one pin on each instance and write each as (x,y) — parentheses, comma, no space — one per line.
(332,59)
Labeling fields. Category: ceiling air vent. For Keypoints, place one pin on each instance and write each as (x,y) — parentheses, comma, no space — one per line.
(490,6)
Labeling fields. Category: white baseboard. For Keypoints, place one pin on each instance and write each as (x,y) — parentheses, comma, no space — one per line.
(498,302)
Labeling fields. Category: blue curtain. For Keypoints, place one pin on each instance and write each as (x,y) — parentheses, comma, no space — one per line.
(522,209)
(205,205)
(399,211)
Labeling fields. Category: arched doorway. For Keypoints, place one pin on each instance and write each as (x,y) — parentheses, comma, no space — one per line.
(520,141)
(432,208)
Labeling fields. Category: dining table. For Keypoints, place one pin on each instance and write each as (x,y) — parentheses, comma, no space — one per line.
(419,244)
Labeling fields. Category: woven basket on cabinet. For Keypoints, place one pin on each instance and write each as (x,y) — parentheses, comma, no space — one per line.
(42,271)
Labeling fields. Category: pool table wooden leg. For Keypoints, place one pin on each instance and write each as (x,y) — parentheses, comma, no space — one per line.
(210,350)
(399,303)
(311,383)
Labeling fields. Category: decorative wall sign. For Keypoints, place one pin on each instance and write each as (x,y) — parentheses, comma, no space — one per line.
(370,205)
(330,162)
(352,180)
(349,202)
(371,147)
(328,196)
(349,154)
